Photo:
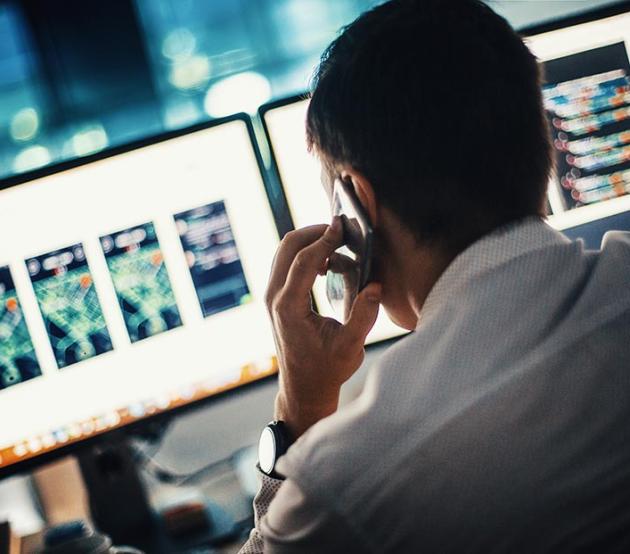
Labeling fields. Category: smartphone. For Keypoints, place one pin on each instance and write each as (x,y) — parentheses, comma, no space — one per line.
(350,266)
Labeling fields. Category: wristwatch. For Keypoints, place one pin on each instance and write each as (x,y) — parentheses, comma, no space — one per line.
(275,440)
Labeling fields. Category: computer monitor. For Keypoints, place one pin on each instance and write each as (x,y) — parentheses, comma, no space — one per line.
(587,96)
(308,204)
(131,286)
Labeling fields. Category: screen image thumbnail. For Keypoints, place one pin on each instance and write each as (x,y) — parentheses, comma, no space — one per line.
(213,258)
(587,96)
(69,304)
(141,281)
(18,362)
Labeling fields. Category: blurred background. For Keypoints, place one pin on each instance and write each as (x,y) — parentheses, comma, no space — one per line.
(78,76)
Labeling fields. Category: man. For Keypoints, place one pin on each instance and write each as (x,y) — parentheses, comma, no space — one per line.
(502,423)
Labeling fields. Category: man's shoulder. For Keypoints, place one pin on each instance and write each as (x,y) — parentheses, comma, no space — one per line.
(616,249)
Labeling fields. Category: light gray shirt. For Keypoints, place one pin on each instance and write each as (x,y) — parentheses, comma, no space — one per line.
(501,425)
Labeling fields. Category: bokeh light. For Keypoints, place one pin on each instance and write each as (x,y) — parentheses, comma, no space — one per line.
(244,92)
(31,158)
(89,140)
(191,73)
(179,44)
(24,125)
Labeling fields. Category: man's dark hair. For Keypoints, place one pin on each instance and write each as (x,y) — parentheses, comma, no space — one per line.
(438,103)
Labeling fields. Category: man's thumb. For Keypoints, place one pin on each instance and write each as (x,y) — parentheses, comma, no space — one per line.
(364,312)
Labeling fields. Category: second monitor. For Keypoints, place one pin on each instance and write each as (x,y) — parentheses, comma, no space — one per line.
(587,97)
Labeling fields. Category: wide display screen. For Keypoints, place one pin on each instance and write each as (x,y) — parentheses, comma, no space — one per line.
(130,286)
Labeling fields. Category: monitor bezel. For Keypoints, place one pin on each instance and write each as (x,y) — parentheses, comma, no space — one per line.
(135,427)
(587,16)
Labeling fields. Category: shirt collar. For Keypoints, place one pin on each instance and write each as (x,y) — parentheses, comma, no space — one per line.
(495,249)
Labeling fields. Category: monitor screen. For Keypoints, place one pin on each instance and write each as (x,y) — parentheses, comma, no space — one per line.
(130,286)
(587,97)
(300,175)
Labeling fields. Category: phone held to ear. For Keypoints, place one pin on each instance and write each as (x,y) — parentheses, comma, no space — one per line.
(349,267)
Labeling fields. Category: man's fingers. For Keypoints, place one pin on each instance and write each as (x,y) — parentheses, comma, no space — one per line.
(291,244)
(309,261)
(363,314)
(340,263)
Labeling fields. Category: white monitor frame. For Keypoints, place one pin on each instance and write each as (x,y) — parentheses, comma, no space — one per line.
(80,202)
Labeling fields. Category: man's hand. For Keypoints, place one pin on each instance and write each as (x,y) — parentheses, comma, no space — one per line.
(316,354)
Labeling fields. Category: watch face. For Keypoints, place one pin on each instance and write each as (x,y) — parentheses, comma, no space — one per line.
(267,451)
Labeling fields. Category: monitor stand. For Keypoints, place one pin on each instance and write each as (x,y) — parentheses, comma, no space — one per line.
(120,506)
(117,497)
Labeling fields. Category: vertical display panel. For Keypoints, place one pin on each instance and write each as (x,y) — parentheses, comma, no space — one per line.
(143,287)
(72,313)
(213,259)
(18,362)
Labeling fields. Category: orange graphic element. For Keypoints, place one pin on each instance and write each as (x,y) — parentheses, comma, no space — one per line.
(157,258)
(619,188)
(12,304)
(251,372)
(86,281)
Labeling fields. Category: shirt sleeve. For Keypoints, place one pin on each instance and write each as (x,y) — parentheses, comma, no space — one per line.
(288,521)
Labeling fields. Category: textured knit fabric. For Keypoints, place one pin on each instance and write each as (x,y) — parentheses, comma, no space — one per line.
(501,425)
(268,489)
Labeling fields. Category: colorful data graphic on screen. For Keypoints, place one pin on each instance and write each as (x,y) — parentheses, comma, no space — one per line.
(18,362)
(141,281)
(212,257)
(69,304)
(588,99)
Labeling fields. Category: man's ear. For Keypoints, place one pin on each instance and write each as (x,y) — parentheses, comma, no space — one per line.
(364,191)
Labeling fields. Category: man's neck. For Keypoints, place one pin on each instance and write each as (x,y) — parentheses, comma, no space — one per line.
(408,271)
